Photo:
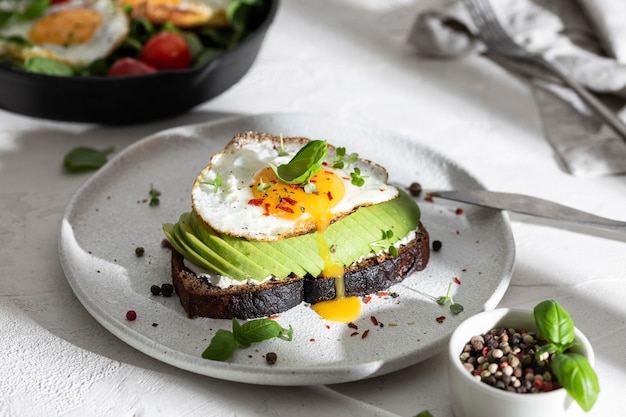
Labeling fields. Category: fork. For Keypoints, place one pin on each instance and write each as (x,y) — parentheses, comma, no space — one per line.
(500,42)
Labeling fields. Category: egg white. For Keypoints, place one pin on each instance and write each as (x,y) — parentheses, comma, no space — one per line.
(226,209)
(109,34)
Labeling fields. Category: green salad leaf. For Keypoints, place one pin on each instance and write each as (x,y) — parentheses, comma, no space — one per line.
(47,66)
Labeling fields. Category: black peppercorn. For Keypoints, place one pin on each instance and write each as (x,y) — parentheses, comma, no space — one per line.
(415,189)
(271,358)
(139,251)
(437,245)
(155,290)
(167,290)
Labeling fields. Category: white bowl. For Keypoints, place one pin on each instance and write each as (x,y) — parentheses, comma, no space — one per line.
(472,398)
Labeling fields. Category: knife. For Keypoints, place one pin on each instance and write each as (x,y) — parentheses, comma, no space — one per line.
(532,206)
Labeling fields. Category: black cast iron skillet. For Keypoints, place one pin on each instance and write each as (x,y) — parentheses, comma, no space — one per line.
(130,99)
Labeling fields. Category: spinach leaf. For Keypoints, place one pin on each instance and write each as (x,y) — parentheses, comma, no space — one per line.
(306,163)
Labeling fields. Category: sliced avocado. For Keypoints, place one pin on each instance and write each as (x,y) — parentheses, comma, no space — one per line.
(171,231)
(349,239)
(226,251)
(218,263)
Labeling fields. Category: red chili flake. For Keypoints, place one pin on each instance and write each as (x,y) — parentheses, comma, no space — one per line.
(345,178)
(382,293)
(294,186)
(367,299)
(255,201)
(457,281)
(328,326)
(459,211)
(311,340)
(285,209)
(131,315)
(354,333)
(374,320)
(290,201)
(330,196)
(428,198)
(329,172)
(365,333)
(267,209)
(325,163)
(352,325)
(440,319)
(274,317)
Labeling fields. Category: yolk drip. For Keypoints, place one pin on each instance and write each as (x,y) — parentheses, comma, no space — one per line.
(291,202)
(67,27)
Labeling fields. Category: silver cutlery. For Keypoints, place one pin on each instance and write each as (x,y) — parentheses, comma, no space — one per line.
(532,206)
(500,42)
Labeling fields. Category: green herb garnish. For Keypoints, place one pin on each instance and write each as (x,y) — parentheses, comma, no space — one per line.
(263,186)
(154,196)
(385,242)
(47,66)
(84,158)
(282,151)
(225,343)
(306,163)
(455,308)
(357,178)
(572,369)
(341,160)
(424,413)
(216,183)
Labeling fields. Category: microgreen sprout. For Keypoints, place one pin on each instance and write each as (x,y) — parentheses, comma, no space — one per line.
(154,196)
(282,151)
(385,243)
(341,160)
(215,183)
(455,308)
(310,188)
(263,186)
(357,178)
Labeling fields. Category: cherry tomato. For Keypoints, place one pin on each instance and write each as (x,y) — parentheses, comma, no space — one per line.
(130,66)
(166,51)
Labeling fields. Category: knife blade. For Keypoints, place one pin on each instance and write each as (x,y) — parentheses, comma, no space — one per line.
(532,206)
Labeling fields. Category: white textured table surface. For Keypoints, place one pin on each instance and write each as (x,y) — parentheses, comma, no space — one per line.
(345,58)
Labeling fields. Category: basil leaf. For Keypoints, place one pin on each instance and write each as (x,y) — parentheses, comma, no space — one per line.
(304,164)
(222,346)
(47,66)
(84,158)
(577,377)
(456,308)
(554,322)
(259,330)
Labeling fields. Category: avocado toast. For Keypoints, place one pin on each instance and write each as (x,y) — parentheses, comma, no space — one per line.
(278,221)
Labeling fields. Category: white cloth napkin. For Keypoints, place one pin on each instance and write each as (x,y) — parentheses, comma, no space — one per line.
(586,42)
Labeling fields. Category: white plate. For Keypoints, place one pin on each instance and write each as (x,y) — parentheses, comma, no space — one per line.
(110,216)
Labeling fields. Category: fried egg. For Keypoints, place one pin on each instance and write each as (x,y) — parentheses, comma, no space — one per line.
(76,32)
(239,194)
(181,13)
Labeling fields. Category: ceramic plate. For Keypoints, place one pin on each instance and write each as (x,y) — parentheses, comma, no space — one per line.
(110,216)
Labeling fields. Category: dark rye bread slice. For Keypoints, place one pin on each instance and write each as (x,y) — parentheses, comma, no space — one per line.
(201,299)
(374,274)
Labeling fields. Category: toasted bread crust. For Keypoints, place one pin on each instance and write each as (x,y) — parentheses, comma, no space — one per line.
(199,298)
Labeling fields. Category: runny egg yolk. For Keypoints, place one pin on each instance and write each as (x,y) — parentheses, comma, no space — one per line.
(291,201)
(66,27)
